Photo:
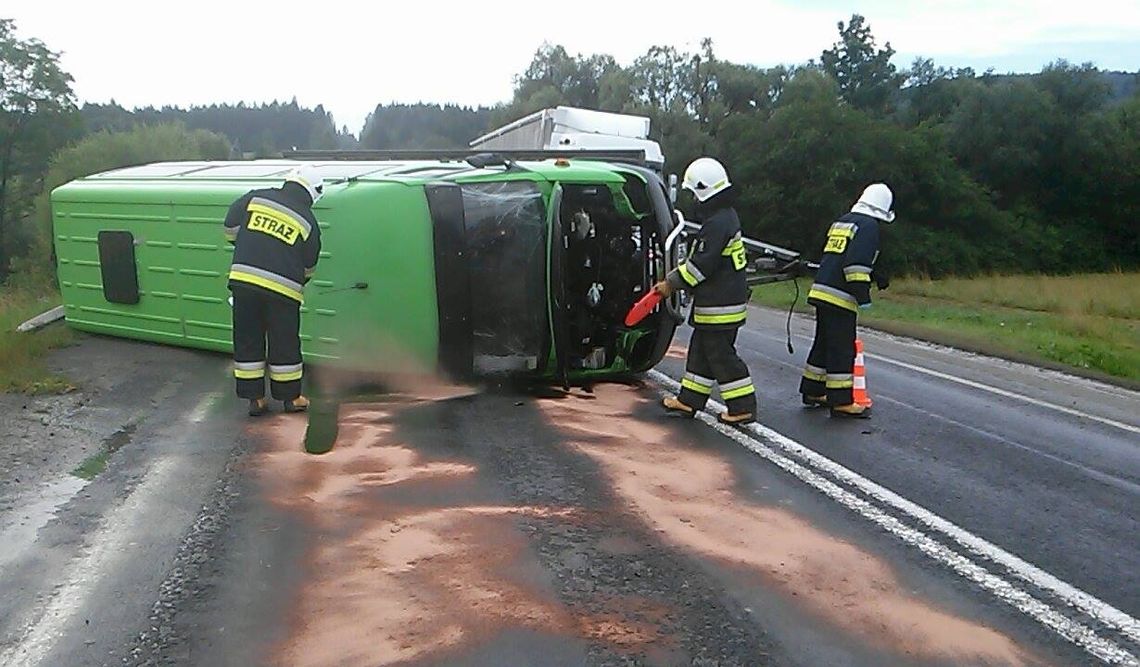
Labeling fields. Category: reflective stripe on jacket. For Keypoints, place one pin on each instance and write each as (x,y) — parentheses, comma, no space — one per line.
(714,271)
(276,238)
(849,254)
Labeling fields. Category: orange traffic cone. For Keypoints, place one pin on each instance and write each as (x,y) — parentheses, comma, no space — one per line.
(860,392)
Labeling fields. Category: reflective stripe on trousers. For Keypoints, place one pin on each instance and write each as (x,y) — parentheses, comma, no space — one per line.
(249,370)
(285,372)
(737,389)
(699,384)
(720,314)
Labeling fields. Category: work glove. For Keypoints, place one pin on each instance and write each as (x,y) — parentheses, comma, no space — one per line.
(664,289)
(881,280)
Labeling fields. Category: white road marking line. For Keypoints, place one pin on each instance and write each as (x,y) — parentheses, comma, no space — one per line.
(1117,482)
(198,414)
(1094,607)
(20,529)
(1073,631)
(1131,428)
(1018,366)
(1009,394)
(1104,478)
(928,346)
(107,545)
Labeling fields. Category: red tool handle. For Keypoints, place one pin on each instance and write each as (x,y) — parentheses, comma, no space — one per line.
(642,308)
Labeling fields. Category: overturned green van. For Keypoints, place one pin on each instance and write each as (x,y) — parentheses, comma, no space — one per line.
(478,265)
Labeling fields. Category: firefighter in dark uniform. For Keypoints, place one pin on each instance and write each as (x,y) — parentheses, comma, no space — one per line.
(843,286)
(714,273)
(276,245)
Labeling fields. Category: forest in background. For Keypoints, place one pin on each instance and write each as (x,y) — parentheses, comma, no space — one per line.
(991,172)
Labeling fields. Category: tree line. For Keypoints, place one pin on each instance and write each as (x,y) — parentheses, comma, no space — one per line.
(261,130)
(991,172)
(1037,173)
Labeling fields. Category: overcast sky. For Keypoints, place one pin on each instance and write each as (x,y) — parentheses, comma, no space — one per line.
(350,55)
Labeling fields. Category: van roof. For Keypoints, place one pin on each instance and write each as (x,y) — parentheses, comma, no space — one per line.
(408,171)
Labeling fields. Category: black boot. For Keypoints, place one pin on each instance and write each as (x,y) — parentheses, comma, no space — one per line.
(299,404)
(258,407)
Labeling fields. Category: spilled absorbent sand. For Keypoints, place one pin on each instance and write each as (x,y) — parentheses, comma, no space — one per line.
(389,584)
(679,352)
(689,497)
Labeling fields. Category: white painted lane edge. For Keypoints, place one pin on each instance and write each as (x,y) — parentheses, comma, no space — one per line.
(1102,477)
(1131,428)
(1008,394)
(1073,631)
(1094,607)
(20,529)
(916,344)
(198,414)
(107,546)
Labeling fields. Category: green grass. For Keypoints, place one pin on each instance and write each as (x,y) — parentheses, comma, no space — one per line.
(1089,323)
(92,466)
(97,462)
(22,354)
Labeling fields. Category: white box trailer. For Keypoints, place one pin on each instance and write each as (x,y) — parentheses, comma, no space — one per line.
(574,129)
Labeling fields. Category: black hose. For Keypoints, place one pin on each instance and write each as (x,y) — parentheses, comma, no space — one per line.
(791,308)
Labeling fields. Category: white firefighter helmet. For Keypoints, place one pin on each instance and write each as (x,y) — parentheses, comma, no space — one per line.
(309,178)
(876,202)
(705,177)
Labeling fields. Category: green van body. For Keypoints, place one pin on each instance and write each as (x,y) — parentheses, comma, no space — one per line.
(425,265)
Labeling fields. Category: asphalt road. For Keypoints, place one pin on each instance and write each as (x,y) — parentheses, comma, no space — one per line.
(1060,487)
(986,514)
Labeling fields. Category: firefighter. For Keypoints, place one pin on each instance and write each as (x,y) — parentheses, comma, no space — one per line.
(843,286)
(714,273)
(276,245)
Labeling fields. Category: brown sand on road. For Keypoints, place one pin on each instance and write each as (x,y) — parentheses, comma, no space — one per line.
(397,386)
(677,351)
(689,497)
(372,459)
(389,583)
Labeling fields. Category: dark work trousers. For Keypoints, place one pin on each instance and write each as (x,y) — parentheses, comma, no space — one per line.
(259,315)
(713,360)
(830,365)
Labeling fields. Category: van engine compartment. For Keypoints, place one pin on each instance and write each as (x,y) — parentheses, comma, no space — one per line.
(610,253)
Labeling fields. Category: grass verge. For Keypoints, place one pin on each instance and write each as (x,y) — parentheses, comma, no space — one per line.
(21,354)
(1088,324)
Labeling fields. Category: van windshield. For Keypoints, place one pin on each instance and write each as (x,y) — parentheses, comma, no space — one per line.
(506,244)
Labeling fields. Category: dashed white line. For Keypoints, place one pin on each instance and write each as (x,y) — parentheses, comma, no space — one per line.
(1103,649)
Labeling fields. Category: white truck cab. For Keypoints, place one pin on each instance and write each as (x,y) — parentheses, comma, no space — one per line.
(574,129)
